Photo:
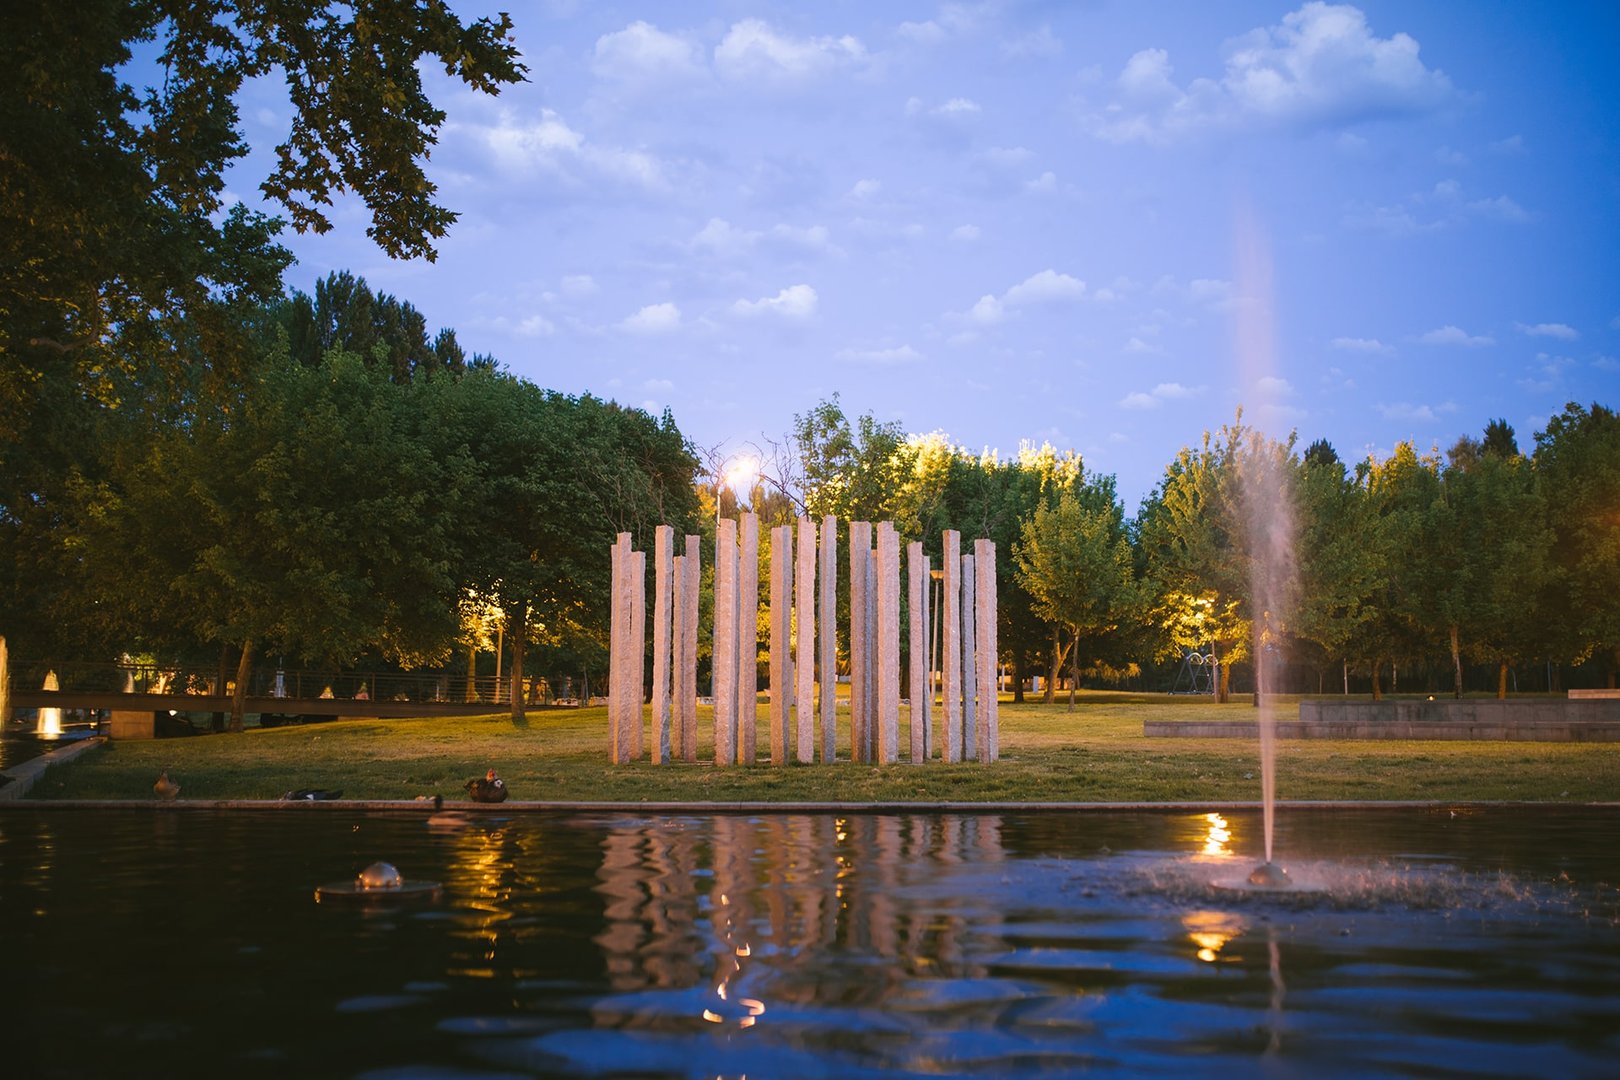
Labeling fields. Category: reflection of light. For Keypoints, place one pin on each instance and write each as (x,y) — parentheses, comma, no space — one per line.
(712,1017)
(1210,931)
(744,950)
(1217,837)
(754,1006)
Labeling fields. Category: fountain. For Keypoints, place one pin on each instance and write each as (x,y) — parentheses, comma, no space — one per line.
(5,684)
(50,719)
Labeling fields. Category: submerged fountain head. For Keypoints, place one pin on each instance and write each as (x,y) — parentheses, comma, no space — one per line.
(1268,875)
(379,875)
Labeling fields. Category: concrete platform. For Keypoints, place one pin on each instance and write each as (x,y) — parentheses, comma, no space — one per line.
(1522,720)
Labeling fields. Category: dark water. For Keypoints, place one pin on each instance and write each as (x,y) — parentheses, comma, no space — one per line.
(19,746)
(190,944)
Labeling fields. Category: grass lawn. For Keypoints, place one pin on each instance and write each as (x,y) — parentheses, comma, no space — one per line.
(1096,753)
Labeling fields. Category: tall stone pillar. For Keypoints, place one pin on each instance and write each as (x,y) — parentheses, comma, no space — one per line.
(781,711)
(829,639)
(988,718)
(970,669)
(804,607)
(724,682)
(748,641)
(888,651)
(951,648)
(618,626)
(860,720)
(917,674)
(869,749)
(638,649)
(677,656)
(687,677)
(663,622)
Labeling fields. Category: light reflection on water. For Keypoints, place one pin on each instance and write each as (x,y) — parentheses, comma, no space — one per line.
(814,945)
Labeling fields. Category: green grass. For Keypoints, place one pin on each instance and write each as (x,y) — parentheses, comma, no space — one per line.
(1096,753)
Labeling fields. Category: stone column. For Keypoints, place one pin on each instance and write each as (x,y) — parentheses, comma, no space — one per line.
(951,649)
(804,607)
(780,622)
(621,688)
(748,641)
(829,638)
(638,649)
(869,747)
(724,682)
(663,597)
(888,651)
(917,669)
(677,655)
(860,554)
(988,718)
(970,670)
(688,670)
(616,651)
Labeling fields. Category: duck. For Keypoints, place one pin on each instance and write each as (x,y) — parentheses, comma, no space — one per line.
(313,795)
(165,788)
(442,818)
(490,788)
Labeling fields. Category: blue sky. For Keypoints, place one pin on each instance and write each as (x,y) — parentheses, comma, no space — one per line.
(1102,225)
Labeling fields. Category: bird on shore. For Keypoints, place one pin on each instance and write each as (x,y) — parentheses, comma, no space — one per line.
(487,789)
(165,788)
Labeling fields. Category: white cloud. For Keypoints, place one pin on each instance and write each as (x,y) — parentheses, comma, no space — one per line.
(1043,184)
(526,147)
(1322,66)
(1440,207)
(1045,287)
(1452,335)
(922,33)
(657,386)
(1408,412)
(1366,345)
(654,319)
(1152,399)
(793,302)
(719,237)
(1139,400)
(643,55)
(1561,331)
(903,354)
(988,310)
(965,232)
(1513,144)
(1138,346)
(865,189)
(536,326)
(1273,385)
(957,106)
(1174,390)
(753,52)
(1453,159)
(1036,43)
(579,285)
(1606,363)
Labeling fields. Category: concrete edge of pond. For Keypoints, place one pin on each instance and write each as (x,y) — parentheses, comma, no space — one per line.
(425,807)
(22,776)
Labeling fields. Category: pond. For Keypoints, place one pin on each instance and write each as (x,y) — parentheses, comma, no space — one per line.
(1477,942)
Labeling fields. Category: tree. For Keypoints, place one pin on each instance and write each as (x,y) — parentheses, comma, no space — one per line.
(1075,563)
(1577,461)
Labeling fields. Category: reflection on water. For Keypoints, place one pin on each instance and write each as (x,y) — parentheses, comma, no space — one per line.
(812,945)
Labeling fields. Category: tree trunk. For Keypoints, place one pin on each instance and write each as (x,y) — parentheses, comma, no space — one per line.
(1613,664)
(244,668)
(472,673)
(1074,668)
(521,624)
(1378,687)
(1018,676)
(218,722)
(1456,662)
(1051,679)
(1501,680)
(1223,682)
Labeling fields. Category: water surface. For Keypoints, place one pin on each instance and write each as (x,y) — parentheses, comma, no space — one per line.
(1479,943)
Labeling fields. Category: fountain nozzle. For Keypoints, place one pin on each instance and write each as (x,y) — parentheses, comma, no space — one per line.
(1268,875)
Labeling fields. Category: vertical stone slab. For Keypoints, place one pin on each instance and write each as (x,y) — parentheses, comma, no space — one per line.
(870,747)
(638,649)
(988,717)
(860,547)
(724,665)
(917,644)
(888,651)
(616,653)
(677,654)
(951,647)
(748,641)
(970,669)
(804,668)
(663,621)
(688,671)
(829,638)
(781,586)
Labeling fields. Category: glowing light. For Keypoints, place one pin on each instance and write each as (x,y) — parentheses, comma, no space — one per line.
(744,950)
(754,1006)
(741,473)
(1210,931)
(1217,836)
(712,1017)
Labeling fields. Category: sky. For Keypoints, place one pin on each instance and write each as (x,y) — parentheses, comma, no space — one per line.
(1107,226)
